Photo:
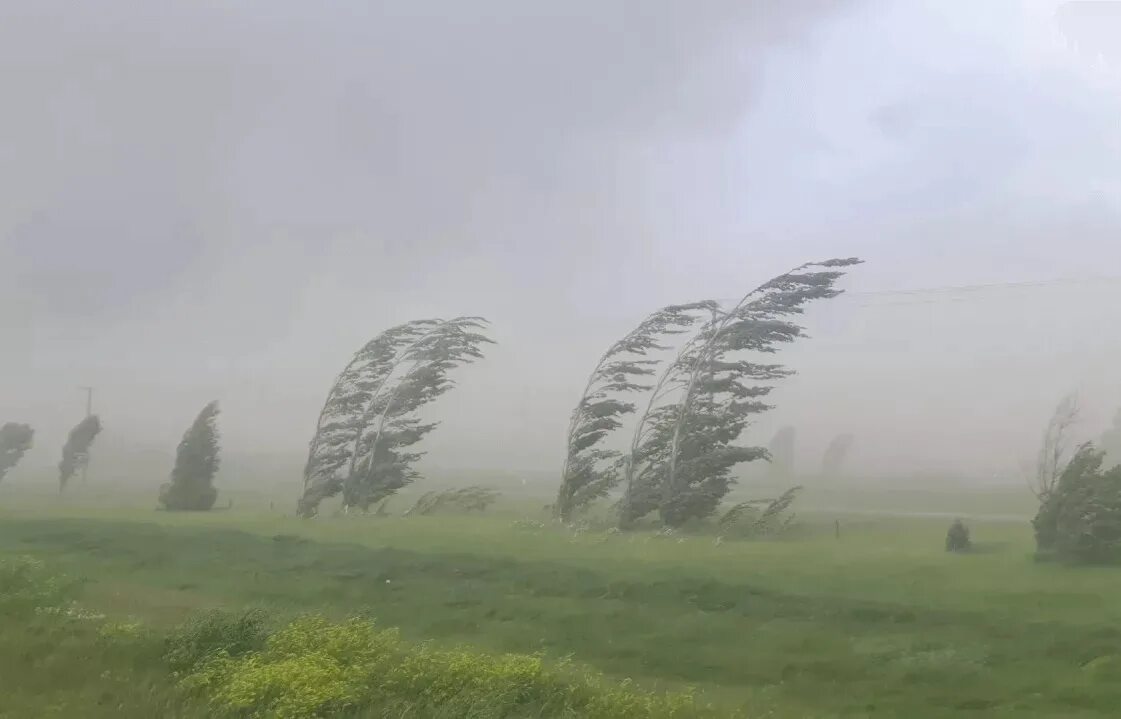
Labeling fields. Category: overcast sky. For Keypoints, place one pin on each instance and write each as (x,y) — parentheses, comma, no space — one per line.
(211,200)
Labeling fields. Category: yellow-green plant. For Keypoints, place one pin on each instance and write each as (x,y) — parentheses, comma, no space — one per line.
(314,667)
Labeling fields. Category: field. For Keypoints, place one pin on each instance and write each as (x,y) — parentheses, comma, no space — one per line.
(876,622)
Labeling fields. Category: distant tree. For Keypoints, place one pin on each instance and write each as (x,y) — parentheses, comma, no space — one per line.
(957,537)
(683,450)
(1110,442)
(196,462)
(76,451)
(589,471)
(781,450)
(1079,520)
(15,440)
(1054,450)
(833,461)
(368,422)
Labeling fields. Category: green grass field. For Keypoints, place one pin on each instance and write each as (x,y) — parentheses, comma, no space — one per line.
(879,622)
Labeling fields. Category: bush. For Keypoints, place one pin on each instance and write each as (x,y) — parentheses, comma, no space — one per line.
(1080,520)
(314,667)
(957,537)
(214,633)
(26,585)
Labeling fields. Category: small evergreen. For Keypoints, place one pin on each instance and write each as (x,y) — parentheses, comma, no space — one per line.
(196,462)
(957,538)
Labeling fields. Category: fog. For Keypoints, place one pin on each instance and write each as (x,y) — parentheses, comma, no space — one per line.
(204,200)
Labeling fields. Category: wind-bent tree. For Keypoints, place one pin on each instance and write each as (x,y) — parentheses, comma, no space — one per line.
(590,472)
(781,450)
(196,462)
(1055,449)
(1079,519)
(76,451)
(368,423)
(15,440)
(682,452)
(833,460)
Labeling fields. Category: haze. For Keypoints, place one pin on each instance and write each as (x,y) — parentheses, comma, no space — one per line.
(204,200)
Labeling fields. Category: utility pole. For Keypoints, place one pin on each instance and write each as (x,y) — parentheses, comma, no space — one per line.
(89,411)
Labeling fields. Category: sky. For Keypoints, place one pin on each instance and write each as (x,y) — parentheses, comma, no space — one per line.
(205,200)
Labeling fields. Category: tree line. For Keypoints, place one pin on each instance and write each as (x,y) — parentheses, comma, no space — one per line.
(696,370)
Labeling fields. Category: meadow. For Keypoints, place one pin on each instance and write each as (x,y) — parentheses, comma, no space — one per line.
(876,622)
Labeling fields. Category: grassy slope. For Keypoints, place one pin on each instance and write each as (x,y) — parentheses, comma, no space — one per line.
(880,623)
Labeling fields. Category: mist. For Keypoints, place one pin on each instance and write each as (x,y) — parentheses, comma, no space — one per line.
(223,201)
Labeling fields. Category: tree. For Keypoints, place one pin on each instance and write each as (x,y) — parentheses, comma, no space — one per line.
(196,462)
(1054,450)
(76,451)
(682,451)
(1110,441)
(589,471)
(833,460)
(957,537)
(781,450)
(15,440)
(1079,520)
(368,423)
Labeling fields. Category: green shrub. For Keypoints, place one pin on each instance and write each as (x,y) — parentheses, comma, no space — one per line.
(26,585)
(215,632)
(315,668)
(957,537)
(1080,520)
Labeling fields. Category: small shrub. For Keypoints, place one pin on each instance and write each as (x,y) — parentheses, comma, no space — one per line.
(957,537)
(27,586)
(214,633)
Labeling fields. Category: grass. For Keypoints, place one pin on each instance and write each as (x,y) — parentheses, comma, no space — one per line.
(878,623)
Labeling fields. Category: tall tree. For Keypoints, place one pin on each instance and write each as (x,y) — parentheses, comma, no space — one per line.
(15,440)
(1056,449)
(781,450)
(76,451)
(368,423)
(833,460)
(196,462)
(589,471)
(682,452)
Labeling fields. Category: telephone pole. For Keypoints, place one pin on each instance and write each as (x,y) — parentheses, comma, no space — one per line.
(89,411)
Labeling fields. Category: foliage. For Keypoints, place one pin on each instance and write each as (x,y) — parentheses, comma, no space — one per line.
(589,471)
(1054,450)
(26,585)
(1079,520)
(683,451)
(957,537)
(833,460)
(368,422)
(758,517)
(76,451)
(314,667)
(212,633)
(465,499)
(196,462)
(15,440)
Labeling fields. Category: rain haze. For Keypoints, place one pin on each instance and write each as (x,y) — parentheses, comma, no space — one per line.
(204,200)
